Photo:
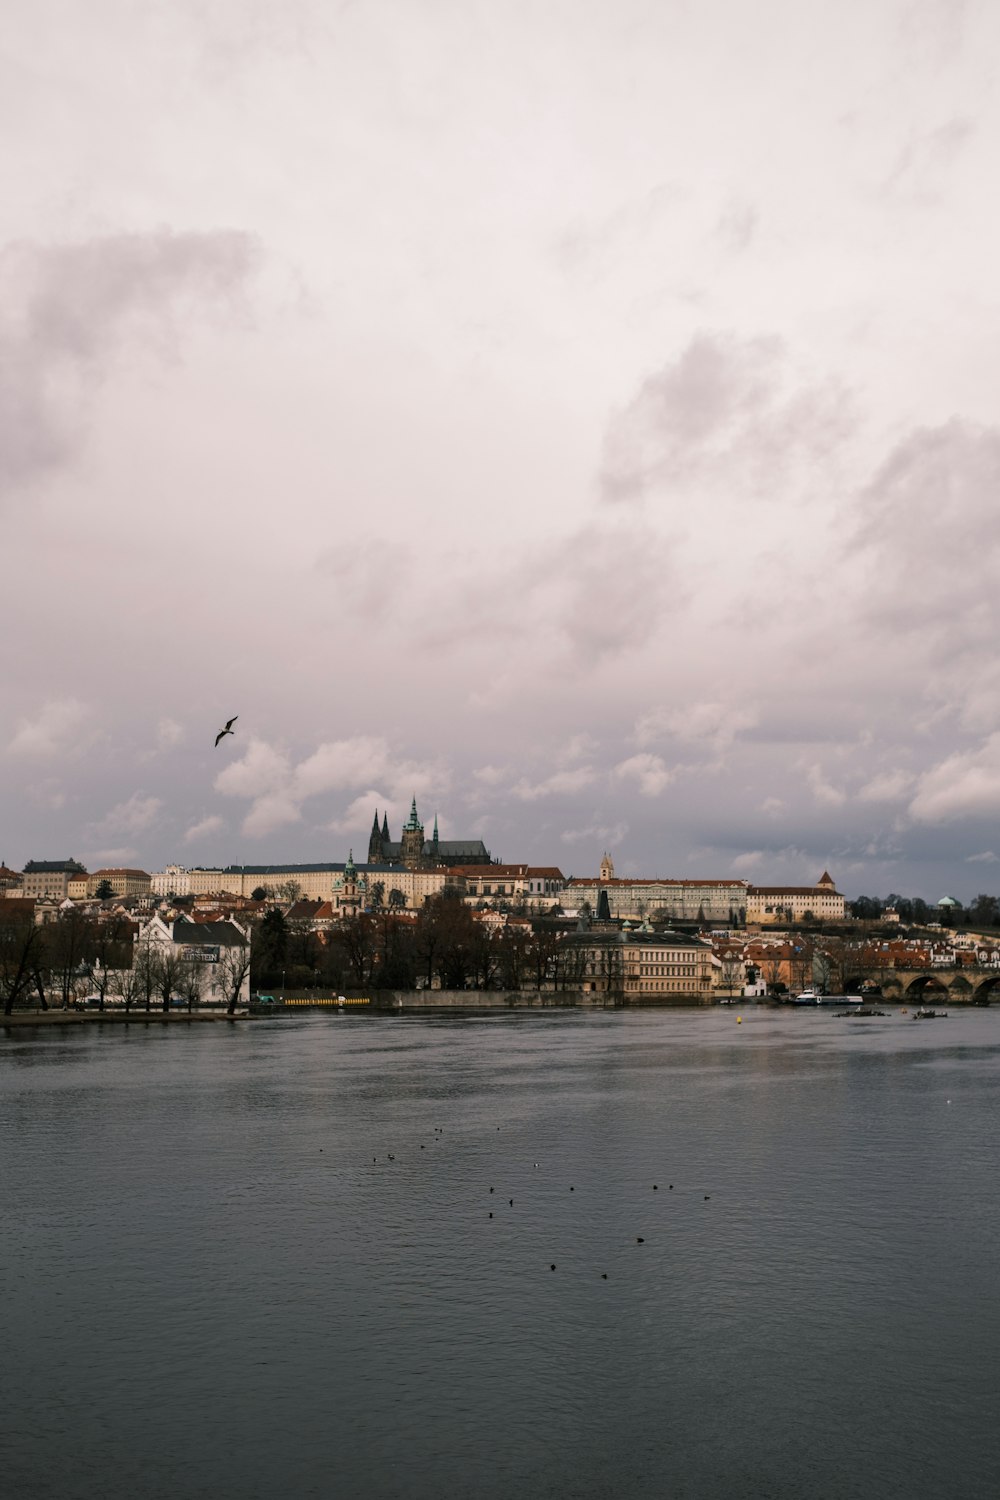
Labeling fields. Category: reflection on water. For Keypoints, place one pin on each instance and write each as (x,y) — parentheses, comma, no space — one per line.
(260,1261)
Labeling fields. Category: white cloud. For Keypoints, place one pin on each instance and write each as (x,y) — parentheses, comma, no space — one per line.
(491,775)
(342,763)
(823,790)
(986,858)
(204,828)
(751,860)
(711,725)
(277,787)
(963,785)
(169,733)
(650,772)
(605,834)
(887,786)
(136,815)
(271,811)
(356,818)
(112,858)
(61,725)
(560,783)
(259,771)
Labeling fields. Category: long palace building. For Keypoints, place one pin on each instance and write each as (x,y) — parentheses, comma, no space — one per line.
(723,902)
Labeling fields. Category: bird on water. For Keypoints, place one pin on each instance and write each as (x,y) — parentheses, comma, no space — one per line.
(228,730)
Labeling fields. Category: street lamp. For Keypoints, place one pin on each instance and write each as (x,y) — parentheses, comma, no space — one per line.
(282,986)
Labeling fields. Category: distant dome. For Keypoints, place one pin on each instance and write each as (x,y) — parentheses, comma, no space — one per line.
(949,901)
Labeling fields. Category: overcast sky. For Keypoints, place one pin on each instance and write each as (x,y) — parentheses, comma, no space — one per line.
(583,415)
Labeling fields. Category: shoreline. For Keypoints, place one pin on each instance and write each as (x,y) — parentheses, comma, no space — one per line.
(115,1017)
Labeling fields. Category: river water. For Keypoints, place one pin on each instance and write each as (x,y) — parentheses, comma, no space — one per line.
(258,1260)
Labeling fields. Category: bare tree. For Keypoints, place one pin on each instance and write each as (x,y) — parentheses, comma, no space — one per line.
(170,973)
(190,981)
(772,967)
(823,970)
(543,954)
(513,950)
(109,949)
(358,937)
(21,958)
(233,968)
(126,985)
(67,941)
(733,974)
(144,964)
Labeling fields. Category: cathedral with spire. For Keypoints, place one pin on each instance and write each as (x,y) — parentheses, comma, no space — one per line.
(415,852)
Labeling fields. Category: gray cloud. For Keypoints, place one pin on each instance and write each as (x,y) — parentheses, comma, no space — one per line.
(927,522)
(69,308)
(726,405)
(924,164)
(598,591)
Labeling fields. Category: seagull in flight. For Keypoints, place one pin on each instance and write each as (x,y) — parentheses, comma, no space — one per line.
(228,729)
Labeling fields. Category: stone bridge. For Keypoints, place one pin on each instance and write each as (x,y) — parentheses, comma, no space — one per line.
(961,986)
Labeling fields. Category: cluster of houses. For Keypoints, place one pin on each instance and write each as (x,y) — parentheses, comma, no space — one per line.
(642,940)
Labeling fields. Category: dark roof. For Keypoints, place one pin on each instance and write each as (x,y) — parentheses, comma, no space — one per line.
(54,867)
(274,869)
(666,939)
(208,934)
(485,872)
(617,882)
(17,906)
(452,847)
(792,890)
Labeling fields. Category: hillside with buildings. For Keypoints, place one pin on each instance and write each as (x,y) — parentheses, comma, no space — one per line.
(424,913)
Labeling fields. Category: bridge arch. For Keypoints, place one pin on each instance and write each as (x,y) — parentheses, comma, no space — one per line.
(988,990)
(926,986)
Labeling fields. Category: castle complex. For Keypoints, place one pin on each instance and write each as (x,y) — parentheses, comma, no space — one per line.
(415,852)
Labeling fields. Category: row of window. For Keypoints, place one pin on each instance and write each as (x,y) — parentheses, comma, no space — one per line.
(650,986)
(667,969)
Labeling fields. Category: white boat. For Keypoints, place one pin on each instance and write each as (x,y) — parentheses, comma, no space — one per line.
(814,997)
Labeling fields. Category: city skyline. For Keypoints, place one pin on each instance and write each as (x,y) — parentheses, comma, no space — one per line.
(582,419)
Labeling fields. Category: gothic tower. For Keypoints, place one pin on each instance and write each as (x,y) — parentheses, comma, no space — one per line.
(375,847)
(411,849)
(607,868)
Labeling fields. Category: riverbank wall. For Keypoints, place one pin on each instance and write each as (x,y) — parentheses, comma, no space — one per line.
(490,1000)
(59,1017)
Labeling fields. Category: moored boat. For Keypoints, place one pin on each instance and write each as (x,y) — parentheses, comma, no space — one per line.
(814,997)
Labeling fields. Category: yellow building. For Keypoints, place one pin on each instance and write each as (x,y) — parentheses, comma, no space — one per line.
(515,885)
(636,966)
(720,902)
(122,882)
(770,905)
(319,882)
(50,877)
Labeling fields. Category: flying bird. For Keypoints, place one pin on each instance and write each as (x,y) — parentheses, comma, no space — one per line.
(228,729)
